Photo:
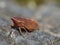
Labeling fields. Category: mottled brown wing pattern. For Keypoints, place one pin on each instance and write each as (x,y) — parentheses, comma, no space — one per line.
(27,23)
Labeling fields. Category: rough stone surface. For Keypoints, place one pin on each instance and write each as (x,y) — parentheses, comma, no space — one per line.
(49,21)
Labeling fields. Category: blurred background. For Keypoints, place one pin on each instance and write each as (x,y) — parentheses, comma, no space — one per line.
(46,12)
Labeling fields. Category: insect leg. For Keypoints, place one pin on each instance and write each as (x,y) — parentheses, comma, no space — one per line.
(21,32)
(25,30)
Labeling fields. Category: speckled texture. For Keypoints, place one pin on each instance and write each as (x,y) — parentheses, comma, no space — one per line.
(49,21)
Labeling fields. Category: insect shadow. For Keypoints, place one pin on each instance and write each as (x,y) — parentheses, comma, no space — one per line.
(23,30)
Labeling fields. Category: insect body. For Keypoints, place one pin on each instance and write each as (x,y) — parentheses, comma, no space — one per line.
(25,23)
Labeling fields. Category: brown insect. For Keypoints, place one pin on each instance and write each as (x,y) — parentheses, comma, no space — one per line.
(25,23)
